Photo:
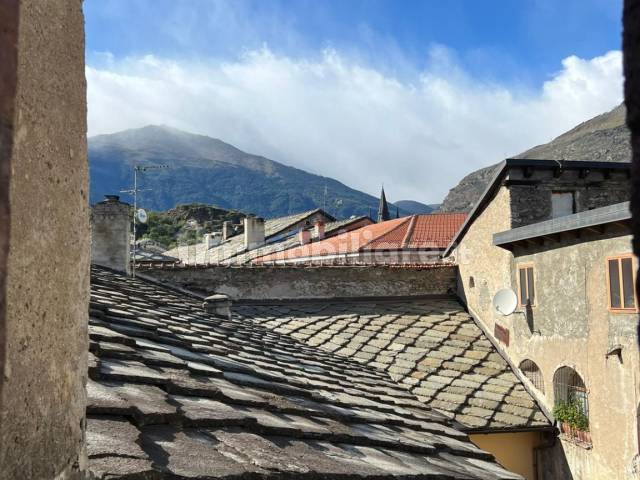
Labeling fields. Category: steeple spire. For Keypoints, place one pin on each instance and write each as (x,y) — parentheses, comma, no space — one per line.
(383,208)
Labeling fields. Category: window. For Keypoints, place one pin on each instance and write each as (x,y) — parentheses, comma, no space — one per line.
(620,279)
(533,373)
(562,204)
(571,404)
(527,289)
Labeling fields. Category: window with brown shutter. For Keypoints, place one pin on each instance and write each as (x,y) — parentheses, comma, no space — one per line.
(527,292)
(621,284)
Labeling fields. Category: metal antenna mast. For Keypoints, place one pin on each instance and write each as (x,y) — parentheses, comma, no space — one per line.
(134,192)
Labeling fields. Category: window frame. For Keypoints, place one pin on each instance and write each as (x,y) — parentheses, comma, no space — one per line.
(622,308)
(574,206)
(525,266)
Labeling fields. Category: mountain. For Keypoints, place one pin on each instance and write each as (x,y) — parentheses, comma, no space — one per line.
(604,138)
(414,208)
(202,169)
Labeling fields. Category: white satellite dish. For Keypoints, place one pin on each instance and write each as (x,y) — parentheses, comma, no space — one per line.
(505,301)
(142,215)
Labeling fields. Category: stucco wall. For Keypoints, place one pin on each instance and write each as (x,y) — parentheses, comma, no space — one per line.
(44,322)
(514,451)
(483,269)
(311,282)
(574,327)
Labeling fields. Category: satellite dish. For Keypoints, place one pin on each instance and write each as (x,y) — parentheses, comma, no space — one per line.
(142,215)
(505,301)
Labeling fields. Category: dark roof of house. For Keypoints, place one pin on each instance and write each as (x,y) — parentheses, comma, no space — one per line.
(502,169)
(174,392)
(234,246)
(431,346)
(616,213)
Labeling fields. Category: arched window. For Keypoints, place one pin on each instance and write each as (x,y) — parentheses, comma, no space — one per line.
(571,403)
(533,373)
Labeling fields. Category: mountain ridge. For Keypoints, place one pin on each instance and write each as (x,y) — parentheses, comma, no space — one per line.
(208,170)
(604,137)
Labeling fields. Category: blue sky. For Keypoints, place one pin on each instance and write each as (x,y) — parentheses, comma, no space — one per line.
(408,64)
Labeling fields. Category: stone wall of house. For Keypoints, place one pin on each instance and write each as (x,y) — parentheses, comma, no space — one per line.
(45,218)
(310,282)
(532,203)
(571,325)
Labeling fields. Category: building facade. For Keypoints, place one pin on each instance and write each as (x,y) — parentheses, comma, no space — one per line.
(560,240)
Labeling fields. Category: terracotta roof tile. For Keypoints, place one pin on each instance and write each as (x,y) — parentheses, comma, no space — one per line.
(428,232)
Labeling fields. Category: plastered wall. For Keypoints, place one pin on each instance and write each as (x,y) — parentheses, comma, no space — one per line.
(43,322)
(570,325)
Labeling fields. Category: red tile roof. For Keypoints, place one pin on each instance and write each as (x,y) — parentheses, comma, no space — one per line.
(424,232)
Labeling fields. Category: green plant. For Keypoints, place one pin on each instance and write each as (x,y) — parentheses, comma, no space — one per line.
(573,414)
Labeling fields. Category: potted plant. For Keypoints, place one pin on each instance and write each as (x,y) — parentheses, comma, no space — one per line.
(573,420)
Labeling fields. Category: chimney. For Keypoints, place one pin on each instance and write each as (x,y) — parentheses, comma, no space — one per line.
(110,234)
(218,305)
(212,239)
(253,232)
(318,230)
(304,236)
(226,230)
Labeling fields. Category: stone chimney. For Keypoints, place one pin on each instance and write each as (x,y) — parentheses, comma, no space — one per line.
(304,236)
(110,234)
(218,305)
(226,230)
(212,239)
(253,232)
(318,230)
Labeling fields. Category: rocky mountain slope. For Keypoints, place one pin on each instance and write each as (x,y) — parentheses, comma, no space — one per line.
(603,138)
(206,170)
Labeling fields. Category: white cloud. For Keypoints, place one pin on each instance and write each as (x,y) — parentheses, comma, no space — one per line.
(338,117)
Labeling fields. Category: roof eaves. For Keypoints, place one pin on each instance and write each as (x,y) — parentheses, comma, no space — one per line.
(618,212)
(484,198)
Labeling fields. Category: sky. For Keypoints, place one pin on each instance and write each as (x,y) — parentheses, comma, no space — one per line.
(414,94)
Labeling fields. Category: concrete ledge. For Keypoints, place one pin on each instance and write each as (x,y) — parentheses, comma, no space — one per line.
(590,218)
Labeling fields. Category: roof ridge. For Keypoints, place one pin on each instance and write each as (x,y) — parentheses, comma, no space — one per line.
(410,228)
(405,220)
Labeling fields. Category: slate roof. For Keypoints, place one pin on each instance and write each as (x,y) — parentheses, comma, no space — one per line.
(418,232)
(176,393)
(273,228)
(430,345)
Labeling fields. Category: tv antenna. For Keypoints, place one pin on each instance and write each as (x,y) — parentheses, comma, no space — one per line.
(134,192)
(505,301)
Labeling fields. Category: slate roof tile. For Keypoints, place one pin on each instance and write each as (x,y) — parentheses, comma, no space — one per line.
(432,347)
(234,399)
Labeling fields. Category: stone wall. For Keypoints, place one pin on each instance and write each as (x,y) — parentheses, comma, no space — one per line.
(310,282)
(44,215)
(532,203)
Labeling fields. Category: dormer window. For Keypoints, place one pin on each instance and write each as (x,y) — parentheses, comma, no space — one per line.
(562,204)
